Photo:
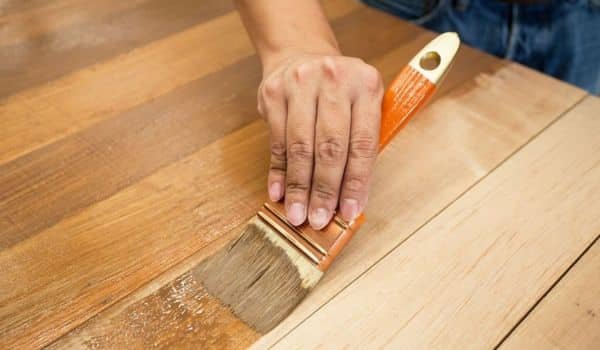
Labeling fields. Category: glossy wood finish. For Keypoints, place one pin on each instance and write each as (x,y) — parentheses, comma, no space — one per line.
(130,150)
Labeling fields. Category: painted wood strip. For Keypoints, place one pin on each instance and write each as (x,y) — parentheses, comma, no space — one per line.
(149,136)
(442,168)
(466,277)
(38,116)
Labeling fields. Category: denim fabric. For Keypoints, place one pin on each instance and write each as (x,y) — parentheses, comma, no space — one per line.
(560,38)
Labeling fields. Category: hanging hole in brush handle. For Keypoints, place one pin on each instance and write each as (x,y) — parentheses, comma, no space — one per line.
(430,60)
(415,84)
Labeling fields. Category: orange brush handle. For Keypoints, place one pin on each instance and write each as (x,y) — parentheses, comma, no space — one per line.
(402,99)
(411,89)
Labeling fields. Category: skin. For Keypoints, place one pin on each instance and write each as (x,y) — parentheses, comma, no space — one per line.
(323,111)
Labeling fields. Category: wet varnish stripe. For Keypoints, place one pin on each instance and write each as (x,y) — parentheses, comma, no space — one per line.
(180,314)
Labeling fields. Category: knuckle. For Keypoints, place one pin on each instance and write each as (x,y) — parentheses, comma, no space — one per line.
(272,88)
(299,151)
(331,68)
(278,152)
(301,72)
(331,150)
(371,78)
(363,146)
(324,191)
(294,185)
(277,166)
(356,183)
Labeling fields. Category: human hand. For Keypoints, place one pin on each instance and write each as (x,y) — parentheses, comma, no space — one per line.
(323,112)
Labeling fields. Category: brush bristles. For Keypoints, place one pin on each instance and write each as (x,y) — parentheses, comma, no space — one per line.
(259,275)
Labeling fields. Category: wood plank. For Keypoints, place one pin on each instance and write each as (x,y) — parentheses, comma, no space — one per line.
(70,48)
(569,316)
(466,277)
(153,135)
(441,169)
(41,115)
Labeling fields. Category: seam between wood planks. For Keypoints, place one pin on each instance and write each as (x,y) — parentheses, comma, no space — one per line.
(546,293)
(462,194)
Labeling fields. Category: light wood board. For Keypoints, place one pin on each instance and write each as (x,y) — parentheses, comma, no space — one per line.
(466,277)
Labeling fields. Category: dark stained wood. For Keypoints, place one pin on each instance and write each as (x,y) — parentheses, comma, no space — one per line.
(46,113)
(54,53)
(92,165)
(153,135)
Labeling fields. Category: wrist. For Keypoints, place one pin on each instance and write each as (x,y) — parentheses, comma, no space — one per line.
(273,57)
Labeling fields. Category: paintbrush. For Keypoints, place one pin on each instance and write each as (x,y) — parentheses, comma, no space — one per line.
(265,273)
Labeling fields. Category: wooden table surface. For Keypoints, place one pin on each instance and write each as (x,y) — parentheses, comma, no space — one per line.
(130,150)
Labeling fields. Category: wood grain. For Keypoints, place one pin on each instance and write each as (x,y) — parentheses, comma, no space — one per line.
(104,90)
(430,195)
(388,64)
(446,149)
(172,317)
(569,316)
(124,166)
(97,32)
(99,146)
(84,263)
(484,261)
(150,136)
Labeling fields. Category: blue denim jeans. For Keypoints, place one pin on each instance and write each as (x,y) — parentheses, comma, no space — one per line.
(560,38)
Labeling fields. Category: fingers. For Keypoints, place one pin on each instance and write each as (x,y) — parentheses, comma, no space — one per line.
(331,144)
(323,113)
(363,146)
(302,100)
(272,105)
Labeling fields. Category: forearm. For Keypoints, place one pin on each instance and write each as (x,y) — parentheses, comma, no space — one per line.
(282,28)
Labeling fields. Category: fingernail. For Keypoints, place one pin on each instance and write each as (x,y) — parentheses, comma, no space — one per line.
(319,218)
(296,214)
(349,209)
(275,191)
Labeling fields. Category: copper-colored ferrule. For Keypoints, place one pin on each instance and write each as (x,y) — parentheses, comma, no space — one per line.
(319,246)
